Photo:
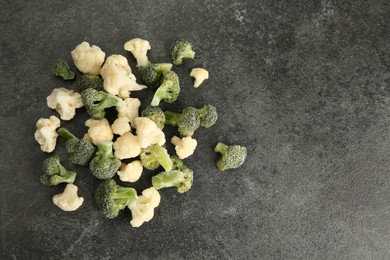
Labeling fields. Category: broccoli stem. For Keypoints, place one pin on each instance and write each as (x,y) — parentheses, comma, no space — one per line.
(171,118)
(124,194)
(57,179)
(221,148)
(105,149)
(168,179)
(63,132)
(161,93)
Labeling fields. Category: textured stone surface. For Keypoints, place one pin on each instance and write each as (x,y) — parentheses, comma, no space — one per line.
(303,84)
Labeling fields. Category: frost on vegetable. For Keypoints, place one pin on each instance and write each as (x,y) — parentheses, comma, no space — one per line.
(127,146)
(130,172)
(200,75)
(142,209)
(148,133)
(65,102)
(68,200)
(139,48)
(88,59)
(46,134)
(99,130)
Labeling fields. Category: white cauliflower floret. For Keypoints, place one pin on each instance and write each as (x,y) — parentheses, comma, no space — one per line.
(117,76)
(130,172)
(185,146)
(200,75)
(129,109)
(88,59)
(142,209)
(99,130)
(139,48)
(127,146)
(46,134)
(120,126)
(68,200)
(65,102)
(148,132)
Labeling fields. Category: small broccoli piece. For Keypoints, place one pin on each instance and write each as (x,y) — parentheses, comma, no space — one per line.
(232,156)
(180,177)
(187,122)
(154,156)
(208,116)
(61,69)
(155,114)
(79,151)
(96,101)
(90,81)
(54,173)
(104,165)
(152,73)
(111,198)
(181,49)
(169,89)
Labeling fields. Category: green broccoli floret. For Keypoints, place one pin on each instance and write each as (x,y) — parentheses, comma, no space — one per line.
(181,49)
(208,116)
(155,114)
(61,69)
(90,81)
(96,101)
(54,173)
(180,177)
(151,73)
(187,122)
(169,89)
(154,156)
(232,156)
(104,165)
(111,198)
(79,151)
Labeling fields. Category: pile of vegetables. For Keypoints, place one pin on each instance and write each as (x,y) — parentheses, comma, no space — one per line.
(107,147)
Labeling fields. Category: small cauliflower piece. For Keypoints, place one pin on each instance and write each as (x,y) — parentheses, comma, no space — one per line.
(142,209)
(65,102)
(129,109)
(46,134)
(139,48)
(120,126)
(99,130)
(88,59)
(68,200)
(200,75)
(148,132)
(185,146)
(127,146)
(130,172)
(117,77)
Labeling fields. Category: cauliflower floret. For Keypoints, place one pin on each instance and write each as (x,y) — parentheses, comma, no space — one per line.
(46,134)
(142,209)
(120,126)
(130,172)
(200,75)
(129,109)
(68,200)
(148,132)
(139,48)
(185,146)
(127,146)
(117,76)
(88,59)
(99,130)
(65,102)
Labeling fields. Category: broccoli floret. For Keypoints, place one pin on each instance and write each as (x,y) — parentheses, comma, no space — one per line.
(232,156)
(155,114)
(154,156)
(181,49)
(208,116)
(61,69)
(54,173)
(90,81)
(180,177)
(151,73)
(79,151)
(169,89)
(187,122)
(111,198)
(96,101)
(104,165)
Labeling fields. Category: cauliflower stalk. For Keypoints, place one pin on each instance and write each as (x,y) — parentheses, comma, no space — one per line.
(185,146)
(142,209)
(127,146)
(65,102)
(200,75)
(68,200)
(139,48)
(130,172)
(88,59)
(148,132)
(99,130)
(46,134)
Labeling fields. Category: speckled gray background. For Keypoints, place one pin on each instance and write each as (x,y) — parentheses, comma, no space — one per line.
(303,84)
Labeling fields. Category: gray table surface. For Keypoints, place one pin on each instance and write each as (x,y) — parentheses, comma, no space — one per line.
(303,84)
